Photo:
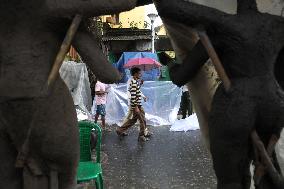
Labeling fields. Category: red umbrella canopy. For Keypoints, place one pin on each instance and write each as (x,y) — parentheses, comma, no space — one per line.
(142,63)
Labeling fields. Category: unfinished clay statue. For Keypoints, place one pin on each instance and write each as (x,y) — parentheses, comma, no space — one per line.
(249,44)
(31,33)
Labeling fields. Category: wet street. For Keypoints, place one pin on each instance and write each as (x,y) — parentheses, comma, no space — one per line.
(169,160)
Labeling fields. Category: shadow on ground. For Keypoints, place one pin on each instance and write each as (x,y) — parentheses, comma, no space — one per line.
(169,160)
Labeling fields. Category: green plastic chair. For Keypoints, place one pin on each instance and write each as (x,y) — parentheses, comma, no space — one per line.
(89,170)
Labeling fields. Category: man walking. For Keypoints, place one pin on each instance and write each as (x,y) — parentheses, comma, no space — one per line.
(136,111)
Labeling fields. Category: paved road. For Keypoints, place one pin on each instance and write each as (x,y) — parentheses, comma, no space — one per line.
(169,160)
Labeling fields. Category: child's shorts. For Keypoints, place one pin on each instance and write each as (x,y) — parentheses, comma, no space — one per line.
(101,109)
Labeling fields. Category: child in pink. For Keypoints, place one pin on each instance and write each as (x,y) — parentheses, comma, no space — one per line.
(101,95)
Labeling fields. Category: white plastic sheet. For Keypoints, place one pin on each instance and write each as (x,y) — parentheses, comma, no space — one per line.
(81,115)
(188,124)
(75,75)
(161,107)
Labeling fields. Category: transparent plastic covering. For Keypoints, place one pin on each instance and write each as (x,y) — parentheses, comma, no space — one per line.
(75,75)
(161,107)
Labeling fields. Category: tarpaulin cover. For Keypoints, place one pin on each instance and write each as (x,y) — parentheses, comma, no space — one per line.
(161,108)
(150,75)
(75,75)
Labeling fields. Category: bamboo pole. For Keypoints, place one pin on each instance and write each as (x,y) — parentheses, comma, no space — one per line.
(267,164)
(215,59)
(65,46)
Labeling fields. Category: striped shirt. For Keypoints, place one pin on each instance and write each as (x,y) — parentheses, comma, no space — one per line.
(135,93)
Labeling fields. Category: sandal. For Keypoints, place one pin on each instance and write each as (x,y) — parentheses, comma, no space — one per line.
(121,133)
(142,139)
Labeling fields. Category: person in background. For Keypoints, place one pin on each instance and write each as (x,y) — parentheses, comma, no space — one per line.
(101,98)
(136,111)
(185,104)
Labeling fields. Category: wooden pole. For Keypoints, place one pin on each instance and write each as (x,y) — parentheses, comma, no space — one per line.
(267,164)
(65,46)
(215,59)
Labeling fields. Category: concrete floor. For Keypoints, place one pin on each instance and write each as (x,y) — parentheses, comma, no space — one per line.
(169,160)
